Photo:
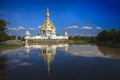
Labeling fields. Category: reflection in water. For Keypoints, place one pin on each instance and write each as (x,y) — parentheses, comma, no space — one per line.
(48,52)
(110,52)
(50,62)
(85,51)
(94,51)
(3,61)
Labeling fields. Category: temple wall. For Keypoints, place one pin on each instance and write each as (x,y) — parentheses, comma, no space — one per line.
(48,41)
(46,37)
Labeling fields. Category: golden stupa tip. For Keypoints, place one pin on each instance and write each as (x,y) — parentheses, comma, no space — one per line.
(27,28)
(47,13)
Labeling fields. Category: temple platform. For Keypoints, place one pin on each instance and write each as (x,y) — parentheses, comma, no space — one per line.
(47,41)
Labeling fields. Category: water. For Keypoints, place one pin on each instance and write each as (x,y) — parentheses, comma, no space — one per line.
(60,62)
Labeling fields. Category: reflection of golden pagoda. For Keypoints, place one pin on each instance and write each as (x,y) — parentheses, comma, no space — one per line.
(48,54)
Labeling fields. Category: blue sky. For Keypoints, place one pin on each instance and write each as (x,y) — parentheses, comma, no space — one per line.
(79,17)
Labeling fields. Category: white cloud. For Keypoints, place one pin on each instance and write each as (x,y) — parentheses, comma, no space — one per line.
(39,26)
(69,27)
(84,27)
(31,28)
(87,27)
(16,28)
(84,30)
(72,27)
(12,28)
(20,28)
(98,28)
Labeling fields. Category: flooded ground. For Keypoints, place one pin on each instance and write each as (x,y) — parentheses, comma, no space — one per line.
(60,62)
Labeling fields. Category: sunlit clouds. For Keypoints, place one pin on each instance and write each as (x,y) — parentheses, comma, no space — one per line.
(20,28)
(72,30)
(98,28)
(83,27)
(83,30)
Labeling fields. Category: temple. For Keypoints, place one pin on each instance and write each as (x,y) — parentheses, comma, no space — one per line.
(48,31)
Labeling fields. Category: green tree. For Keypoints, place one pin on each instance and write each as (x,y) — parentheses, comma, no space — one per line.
(112,36)
(19,37)
(13,37)
(3,34)
(2,25)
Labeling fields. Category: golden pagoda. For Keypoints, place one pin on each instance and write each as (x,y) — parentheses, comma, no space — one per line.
(48,28)
(48,31)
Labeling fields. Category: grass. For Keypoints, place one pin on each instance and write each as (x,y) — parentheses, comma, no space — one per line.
(78,42)
(104,43)
(4,46)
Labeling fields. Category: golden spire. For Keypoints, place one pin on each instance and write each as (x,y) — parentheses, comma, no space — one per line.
(27,29)
(48,25)
(47,14)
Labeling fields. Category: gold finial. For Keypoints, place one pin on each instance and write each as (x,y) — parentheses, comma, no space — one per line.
(47,13)
(48,25)
(26,28)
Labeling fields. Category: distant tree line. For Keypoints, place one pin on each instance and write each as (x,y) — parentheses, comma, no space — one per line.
(111,36)
(84,38)
(3,35)
(81,39)
(78,38)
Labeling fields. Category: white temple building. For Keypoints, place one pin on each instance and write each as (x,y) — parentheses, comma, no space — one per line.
(48,31)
